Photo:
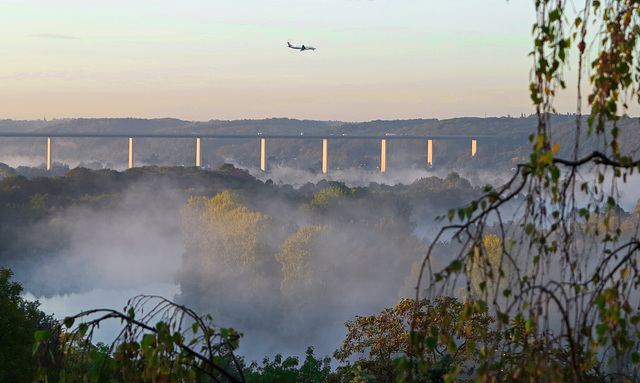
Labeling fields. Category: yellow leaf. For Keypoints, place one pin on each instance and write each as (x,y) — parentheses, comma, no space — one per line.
(555,148)
(624,272)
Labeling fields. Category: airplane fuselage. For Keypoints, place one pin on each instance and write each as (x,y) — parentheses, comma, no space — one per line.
(302,48)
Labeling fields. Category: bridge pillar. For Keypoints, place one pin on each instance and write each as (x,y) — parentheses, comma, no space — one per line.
(48,153)
(263,154)
(198,152)
(383,156)
(430,153)
(324,155)
(473,148)
(130,152)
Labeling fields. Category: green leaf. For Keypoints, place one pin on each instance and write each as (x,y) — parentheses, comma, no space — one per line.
(147,340)
(195,327)
(503,317)
(549,157)
(554,15)
(42,335)
(455,266)
(68,322)
(529,228)
(530,324)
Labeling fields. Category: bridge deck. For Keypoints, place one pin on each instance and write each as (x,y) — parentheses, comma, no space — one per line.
(228,136)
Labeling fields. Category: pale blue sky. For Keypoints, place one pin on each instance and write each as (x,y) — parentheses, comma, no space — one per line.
(201,60)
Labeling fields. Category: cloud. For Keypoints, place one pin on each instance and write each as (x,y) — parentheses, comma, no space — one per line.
(53,36)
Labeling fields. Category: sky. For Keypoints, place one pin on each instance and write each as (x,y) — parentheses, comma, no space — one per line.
(210,59)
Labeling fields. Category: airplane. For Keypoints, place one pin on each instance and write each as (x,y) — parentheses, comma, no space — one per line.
(302,48)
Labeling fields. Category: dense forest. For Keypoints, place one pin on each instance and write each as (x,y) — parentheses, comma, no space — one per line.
(286,266)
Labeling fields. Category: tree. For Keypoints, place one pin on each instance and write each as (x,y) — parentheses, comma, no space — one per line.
(221,232)
(450,330)
(289,370)
(19,319)
(569,311)
(297,252)
(323,198)
(487,271)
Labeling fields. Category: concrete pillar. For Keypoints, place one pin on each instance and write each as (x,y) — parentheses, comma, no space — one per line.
(383,156)
(198,152)
(473,148)
(130,152)
(48,153)
(263,154)
(430,153)
(324,155)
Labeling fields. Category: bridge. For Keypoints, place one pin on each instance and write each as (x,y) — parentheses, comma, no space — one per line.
(263,142)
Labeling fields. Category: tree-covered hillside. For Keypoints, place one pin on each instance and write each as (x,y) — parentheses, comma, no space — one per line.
(306,259)
(508,143)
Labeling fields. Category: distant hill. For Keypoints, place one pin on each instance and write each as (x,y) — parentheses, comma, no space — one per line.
(508,146)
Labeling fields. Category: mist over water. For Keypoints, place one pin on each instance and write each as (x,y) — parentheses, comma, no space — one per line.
(132,241)
(133,245)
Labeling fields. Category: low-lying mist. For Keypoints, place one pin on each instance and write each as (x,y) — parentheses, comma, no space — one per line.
(126,241)
(358,177)
(360,238)
(286,261)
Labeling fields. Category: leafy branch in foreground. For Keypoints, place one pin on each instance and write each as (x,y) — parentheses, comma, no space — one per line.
(565,287)
(160,341)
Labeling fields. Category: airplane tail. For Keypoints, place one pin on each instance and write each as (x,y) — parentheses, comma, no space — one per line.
(289,44)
